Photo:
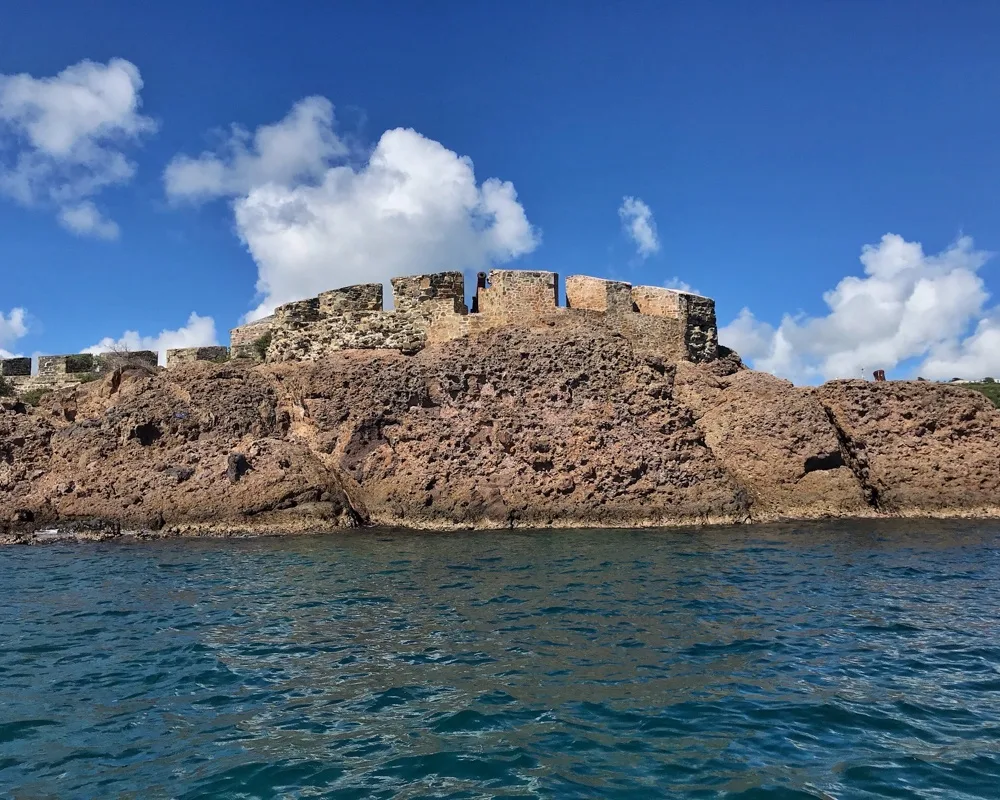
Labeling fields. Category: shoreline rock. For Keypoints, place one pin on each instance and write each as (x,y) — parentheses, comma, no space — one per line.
(553,424)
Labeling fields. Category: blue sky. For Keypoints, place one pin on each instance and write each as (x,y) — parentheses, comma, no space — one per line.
(770,142)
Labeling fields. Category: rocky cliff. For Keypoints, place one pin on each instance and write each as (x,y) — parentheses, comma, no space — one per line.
(554,424)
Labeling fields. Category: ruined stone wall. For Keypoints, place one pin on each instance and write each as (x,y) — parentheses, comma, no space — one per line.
(596,294)
(57,372)
(446,290)
(15,367)
(652,316)
(243,338)
(363,297)
(352,318)
(432,308)
(696,314)
(299,340)
(512,293)
(75,363)
(185,355)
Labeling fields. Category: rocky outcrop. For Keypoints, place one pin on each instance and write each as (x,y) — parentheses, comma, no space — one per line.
(557,423)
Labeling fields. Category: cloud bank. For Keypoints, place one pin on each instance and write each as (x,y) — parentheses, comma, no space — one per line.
(62,139)
(639,226)
(13,326)
(199,332)
(315,216)
(909,305)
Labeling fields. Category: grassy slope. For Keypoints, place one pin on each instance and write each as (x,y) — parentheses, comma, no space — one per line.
(991,390)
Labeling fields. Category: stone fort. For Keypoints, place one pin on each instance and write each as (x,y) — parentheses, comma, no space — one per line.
(427,309)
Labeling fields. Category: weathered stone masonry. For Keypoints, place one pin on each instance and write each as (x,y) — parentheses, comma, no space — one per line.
(15,367)
(56,372)
(432,308)
(427,309)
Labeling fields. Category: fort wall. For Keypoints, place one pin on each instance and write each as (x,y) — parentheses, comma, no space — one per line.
(596,294)
(57,372)
(187,355)
(15,367)
(243,340)
(513,293)
(432,308)
(427,309)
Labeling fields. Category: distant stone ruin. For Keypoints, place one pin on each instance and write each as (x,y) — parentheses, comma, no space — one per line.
(427,309)
(431,308)
(57,372)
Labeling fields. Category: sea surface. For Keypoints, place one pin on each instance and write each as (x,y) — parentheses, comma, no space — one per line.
(833,660)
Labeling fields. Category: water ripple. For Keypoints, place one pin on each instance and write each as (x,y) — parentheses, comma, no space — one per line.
(838,660)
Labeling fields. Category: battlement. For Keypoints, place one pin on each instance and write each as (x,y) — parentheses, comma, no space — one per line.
(512,293)
(56,372)
(15,367)
(89,364)
(187,355)
(432,308)
(443,290)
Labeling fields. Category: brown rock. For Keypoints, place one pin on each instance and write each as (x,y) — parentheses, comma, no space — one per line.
(564,425)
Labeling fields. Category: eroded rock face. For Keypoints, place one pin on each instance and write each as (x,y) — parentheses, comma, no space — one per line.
(776,440)
(515,428)
(561,424)
(149,451)
(921,448)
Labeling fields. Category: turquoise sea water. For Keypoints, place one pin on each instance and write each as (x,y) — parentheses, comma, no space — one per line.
(843,660)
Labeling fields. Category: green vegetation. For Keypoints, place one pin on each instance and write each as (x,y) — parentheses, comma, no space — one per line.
(81,362)
(87,377)
(33,396)
(6,387)
(261,344)
(989,387)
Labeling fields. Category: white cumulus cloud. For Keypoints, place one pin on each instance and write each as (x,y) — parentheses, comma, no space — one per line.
(85,219)
(198,332)
(312,221)
(638,224)
(909,305)
(297,148)
(62,139)
(13,325)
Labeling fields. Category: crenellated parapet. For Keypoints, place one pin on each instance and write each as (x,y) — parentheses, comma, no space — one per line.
(651,313)
(187,355)
(60,371)
(432,308)
(15,367)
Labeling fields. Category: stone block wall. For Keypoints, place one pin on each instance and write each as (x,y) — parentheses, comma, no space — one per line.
(363,297)
(15,367)
(242,339)
(353,330)
(596,294)
(186,355)
(657,301)
(443,290)
(695,332)
(696,314)
(58,372)
(73,364)
(431,308)
(512,293)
